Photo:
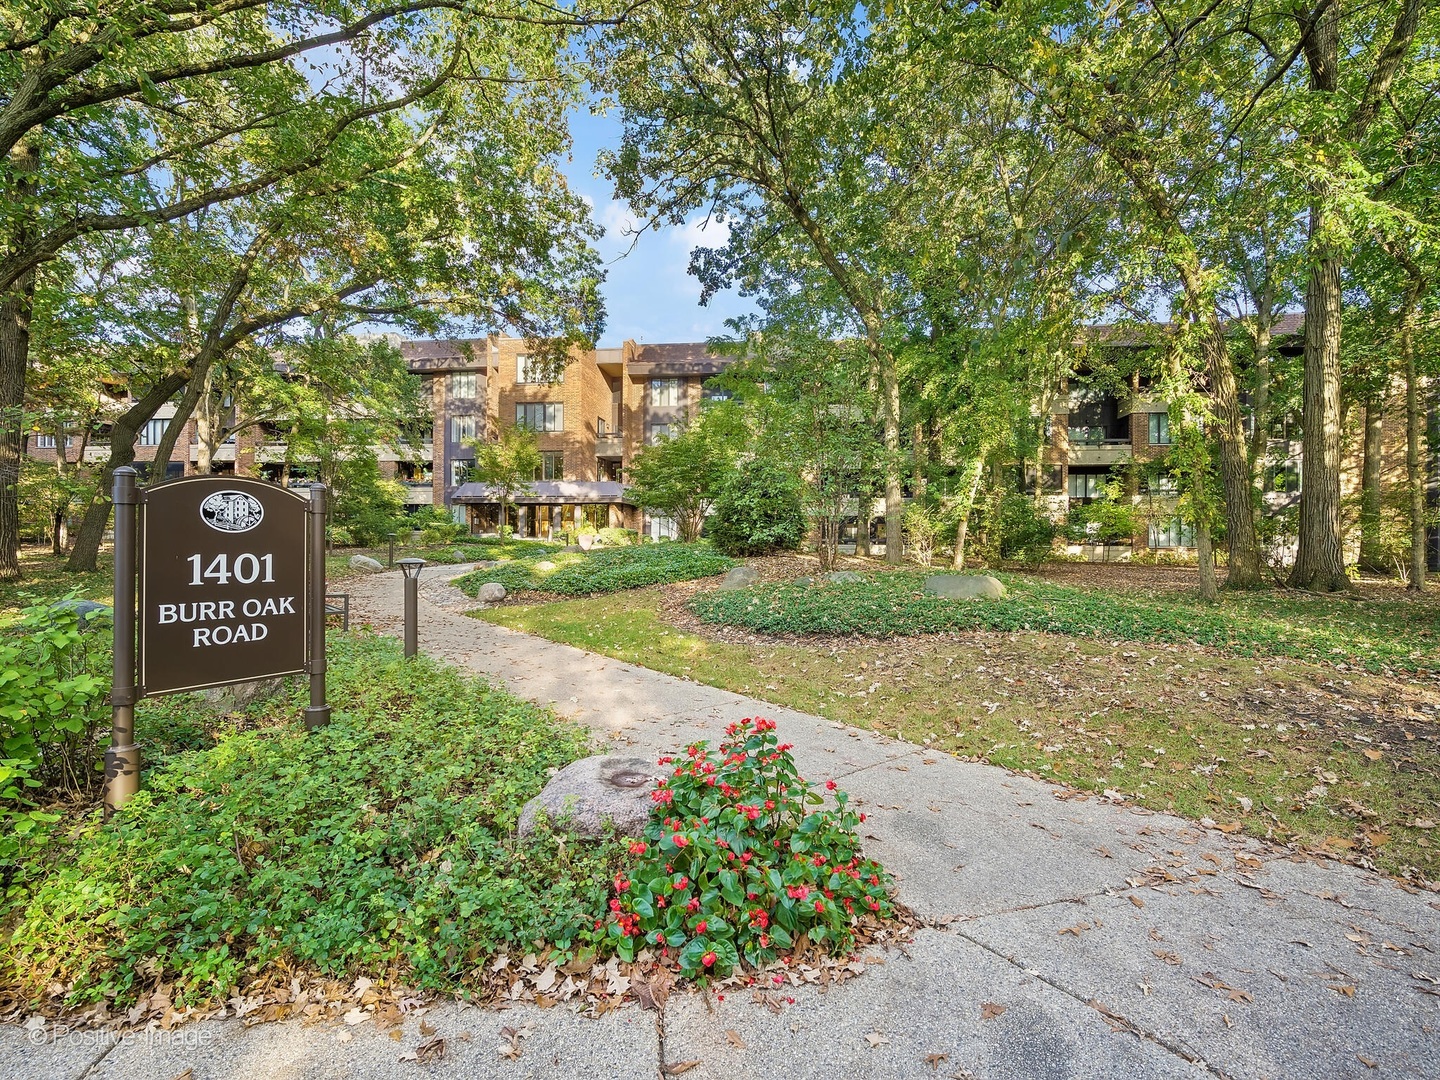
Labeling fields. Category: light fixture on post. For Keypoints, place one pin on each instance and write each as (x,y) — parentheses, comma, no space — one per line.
(411,569)
(392,547)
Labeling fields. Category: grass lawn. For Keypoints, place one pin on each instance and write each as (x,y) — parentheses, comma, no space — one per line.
(1264,732)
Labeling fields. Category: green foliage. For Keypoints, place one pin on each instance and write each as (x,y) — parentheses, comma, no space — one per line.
(508,463)
(681,477)
(381,843)
(758,511)
(923,523)
(737,864)
(441,532)
(617,537)
(1110,519)
(23,827)
(1025,533)
(53,677)
(1378,637)
(602,570)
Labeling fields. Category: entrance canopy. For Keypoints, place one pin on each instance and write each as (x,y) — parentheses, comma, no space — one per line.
(549,492)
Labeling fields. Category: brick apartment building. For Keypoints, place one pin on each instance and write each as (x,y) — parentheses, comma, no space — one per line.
(590,421)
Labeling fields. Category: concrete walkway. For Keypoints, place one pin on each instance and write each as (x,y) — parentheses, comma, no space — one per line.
(1068,937)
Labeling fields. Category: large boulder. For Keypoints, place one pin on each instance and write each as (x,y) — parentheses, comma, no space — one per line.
(595,793)
(364,562)
(740,577)
(544,566)
(492,592)
(457,556)
(89,615)
(844,577)
(965,587)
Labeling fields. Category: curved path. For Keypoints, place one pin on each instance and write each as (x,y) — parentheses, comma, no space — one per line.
(1066,937)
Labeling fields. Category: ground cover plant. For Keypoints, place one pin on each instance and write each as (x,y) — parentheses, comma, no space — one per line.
(604,570)
(1372,635)
(1314,753)
(380,843)
(742,862)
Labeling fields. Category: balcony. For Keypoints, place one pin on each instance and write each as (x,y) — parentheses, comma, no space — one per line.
(609,443)
(418,492)
(1139,403)
(1091,446)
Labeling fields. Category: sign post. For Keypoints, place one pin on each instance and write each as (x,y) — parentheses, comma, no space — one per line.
(231,581)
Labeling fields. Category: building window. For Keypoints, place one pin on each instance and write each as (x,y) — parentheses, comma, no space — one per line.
(1172,533)
(464,428)
(1159,429)
(1164,484)
(540,416)
(460,470)
(528,370)
(660,432)
(1284,477)
(552,466)
(44,442)
(711,392)
(464,386)
(664,392)
(1086,485)
(1086,435)
(152,431)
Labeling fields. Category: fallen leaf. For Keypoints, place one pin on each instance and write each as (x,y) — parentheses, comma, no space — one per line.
(427,1052)
(427,1029)
(1369,1063)
(675,1068)
(1229,826)
(934,1060)
(1248,860)
(989,1010)
(1345,989)
(876,1039)
(733,1038)
(1168,956)
(1137,901)
(188,1074)
(355,1016)
(1373,754)
(1422,823)
(396,1034)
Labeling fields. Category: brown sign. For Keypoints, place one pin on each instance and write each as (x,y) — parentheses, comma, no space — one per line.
(223,584)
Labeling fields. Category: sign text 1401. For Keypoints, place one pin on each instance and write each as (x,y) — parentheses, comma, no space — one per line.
(246,569)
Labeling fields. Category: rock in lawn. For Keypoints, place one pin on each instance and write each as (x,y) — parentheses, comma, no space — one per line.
(492,592)
(88,614)
(364,562)
(594,791)
(544,566)
(458,556)
(965,587)
(741,577)
(843,577)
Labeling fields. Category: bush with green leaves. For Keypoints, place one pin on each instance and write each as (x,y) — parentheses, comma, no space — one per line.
(613,537)
(1376,636)
(1025,533)
(23,825)
(758,511)
(602,570)
(741,860)
(54,676)
(382,843)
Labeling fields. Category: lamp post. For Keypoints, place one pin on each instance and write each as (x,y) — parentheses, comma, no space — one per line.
(392,548)
(411,569)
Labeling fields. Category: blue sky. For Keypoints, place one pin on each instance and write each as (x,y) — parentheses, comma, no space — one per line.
(649,296)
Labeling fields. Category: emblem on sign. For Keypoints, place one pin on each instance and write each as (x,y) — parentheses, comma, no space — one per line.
(231,511)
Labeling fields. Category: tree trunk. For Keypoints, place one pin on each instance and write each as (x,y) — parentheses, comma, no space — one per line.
(890,410)
(85,554)
(1205,554)
(1372,553)
(969,486)
(15,309)
(1414,424)
(1235,474)
(1320,560)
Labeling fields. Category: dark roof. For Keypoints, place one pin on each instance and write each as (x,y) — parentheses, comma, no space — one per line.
(549,491)
(682,358)
(469,354)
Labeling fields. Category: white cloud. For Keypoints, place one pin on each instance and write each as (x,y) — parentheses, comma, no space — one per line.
(701,232)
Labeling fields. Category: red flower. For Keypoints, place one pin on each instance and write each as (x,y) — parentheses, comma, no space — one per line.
(830,785)
(708,959)
(679,840)
(820,907)
(700,926)
(638,848)
(798,892)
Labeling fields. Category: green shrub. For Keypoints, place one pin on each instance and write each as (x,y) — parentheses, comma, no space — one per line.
(757,512)
(603,570)
(1025,533)
(23,826)
(736,864)
(614,537)
(339,536)
(380,843)
(53,681)
(1377,636)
